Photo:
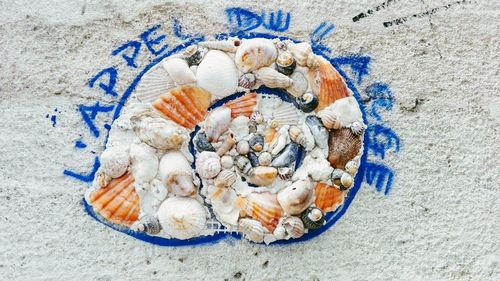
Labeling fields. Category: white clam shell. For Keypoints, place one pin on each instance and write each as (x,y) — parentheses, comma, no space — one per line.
(144,162)
(182,217)
(154,83)
(217,122)
(272,78)
(115,161)
(295,198)
(178,69)
(176,173)
(217,74)
(254,54)
(208,164)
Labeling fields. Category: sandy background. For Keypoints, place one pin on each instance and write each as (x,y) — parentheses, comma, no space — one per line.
(439,222)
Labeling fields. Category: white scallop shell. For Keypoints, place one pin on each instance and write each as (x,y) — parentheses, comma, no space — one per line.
(208,164)
(252,230)
(273,108)
(217,122)
(144,162)
(115,161)
(255,53)
(272,78)
(176,173)
(345,109)
(154,83)
(182,217)
(217,74)
(178,69)
(295,198)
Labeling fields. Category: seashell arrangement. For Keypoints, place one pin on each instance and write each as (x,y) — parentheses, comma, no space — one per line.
(205,146)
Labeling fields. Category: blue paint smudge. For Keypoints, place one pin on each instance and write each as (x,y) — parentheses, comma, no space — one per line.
(89,177)
(80,144)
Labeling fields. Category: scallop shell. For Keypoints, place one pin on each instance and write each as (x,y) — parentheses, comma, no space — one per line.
(343,146)
(223,202)
(242,106)
(153,84)
(263,176)
(294,226)
(295,198)
(230,45)
(239,127)
(117,202)
(217,74)
(303,54)
(252,230)
(208,164)
(299,85)
(329,119)
(178,69)
(148,224)
(263,207)
(217,123)
(254,54)
(176,173)
(158,132)
(344,110)
(185,106)
(332,85)
(285,114)
(144,162)
(115,161)
(328,198)
(272,78)
(182,217)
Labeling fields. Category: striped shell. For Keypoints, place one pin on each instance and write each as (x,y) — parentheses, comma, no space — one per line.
(252,230)
(332,86)
(242,106)
(294,226)
(117,202)
(343,146)
(182,217)
(153,84)
(328,198)
(186,105)
(263,207)
(344,111)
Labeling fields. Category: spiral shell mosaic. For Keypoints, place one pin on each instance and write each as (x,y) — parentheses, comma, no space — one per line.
(201,147)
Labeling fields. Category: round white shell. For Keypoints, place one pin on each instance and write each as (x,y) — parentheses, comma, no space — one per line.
(208,164)
(115,161)
(182,217)
(217,74)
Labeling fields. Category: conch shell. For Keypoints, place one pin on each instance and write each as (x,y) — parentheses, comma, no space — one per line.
(254,54)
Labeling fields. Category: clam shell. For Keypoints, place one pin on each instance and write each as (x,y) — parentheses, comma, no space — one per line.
(186,105)
(223,202)
(158,132)
(115,161)
(153,84)
(218,74)
(208,164)
(217,123)
(263,207)
(230,45)
(117,201)
(343,146)
(254,54)
(252,230)
(344,111)
(144,162)
(294,226)
(332,86)
(272,78)
(263,176)
(303,54)
(328,198)
(295,198)
(182,217)
(178,69)
(176,173)
(242,106)
(256,142)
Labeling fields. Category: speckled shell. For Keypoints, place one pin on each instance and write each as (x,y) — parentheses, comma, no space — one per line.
(117,202)
(178,69)
(255,53)
(328,198)
(343,146)
(242,106)
(182,217)
(176,173)
(217,74)
(263,207)
(295,198)
(115,161)
(208,164)
(185,106)
(252,230)
(217,123)
(154,83)
(272,78)
(332,85)
(294,226)
(144,162)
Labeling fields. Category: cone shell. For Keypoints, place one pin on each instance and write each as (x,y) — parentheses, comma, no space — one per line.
(154,83)
(332,86)
(117,202)
(263,207)
(217,74)
(328,198)
(182,217)
(186,106)
(242,106)
(343,146)
(272,78)
(255,53)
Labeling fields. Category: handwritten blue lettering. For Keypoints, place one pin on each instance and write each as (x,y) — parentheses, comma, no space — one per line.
(380,175)
(89,177)
(152,42)
(382,139)
(129,58)
(89,113)
(108,88)
(279,23)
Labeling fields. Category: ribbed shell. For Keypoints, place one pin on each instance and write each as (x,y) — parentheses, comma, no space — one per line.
(272,78)
(263,207)
(182,217)
(186,105)
(117,202)
(343,146)
(328,198)
(154,83)
(243,105)
(332,85)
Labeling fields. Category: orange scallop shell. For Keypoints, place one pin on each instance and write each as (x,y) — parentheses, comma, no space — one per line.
(332,85)
(328,198)
(343,146)
(243,105)
(118,202)
(185,105)
(263,207)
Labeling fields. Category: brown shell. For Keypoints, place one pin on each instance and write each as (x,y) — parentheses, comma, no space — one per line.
(263,207)
(186,105)
(328,198)
(242,106)
(332,85)
(343,146)
(117,202)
